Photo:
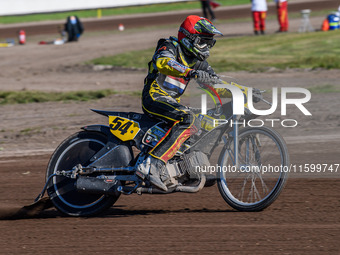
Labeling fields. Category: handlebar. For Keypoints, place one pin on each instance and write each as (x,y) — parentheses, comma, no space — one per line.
(215,80)
(265,101)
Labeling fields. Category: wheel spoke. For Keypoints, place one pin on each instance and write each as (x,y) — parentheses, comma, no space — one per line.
(240,196)
(265,188)
(256,192)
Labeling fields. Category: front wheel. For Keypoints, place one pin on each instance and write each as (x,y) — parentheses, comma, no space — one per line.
(261,172)
(77,149)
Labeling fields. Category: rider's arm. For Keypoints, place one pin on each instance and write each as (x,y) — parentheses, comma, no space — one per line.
(169,66)
(165,61)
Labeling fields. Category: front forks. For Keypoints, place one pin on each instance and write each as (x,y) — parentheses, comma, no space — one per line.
(235,138)
(234,155)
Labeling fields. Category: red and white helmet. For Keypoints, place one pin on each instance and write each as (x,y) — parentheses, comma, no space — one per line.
(196,35)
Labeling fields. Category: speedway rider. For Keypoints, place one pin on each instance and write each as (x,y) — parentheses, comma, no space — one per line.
(174,63)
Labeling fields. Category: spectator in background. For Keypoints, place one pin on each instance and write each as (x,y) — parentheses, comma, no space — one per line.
(332,22)
(74,28)
(259,11)
(206,7)
(282,15)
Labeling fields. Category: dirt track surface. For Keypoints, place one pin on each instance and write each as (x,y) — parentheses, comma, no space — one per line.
(304,219)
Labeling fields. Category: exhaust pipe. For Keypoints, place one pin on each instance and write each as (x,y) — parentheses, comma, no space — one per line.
(187,189)
(192,189)
(93,185)
(153,190)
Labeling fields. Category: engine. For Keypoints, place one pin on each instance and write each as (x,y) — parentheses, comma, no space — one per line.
(186,167)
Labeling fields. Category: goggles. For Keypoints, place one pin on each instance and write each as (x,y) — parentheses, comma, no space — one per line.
(203,42)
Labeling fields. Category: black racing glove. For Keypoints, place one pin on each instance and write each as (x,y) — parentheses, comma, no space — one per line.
(195,110)
(204,77)
(257,95)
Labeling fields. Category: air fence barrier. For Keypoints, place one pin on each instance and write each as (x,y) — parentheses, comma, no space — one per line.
(21,7)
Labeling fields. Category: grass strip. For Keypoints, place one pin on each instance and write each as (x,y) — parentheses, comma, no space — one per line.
(306,50)
(24,97)
(327,88)
(255,53)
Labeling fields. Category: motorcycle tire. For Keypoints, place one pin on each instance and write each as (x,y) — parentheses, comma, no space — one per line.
(76,149)
(252,188)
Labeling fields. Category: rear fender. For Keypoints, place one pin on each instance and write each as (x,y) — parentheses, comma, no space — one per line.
(98,128)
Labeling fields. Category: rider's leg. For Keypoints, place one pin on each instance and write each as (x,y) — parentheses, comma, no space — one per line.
(185,124)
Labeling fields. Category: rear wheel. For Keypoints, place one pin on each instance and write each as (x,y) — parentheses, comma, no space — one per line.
(261,173)
(77,149)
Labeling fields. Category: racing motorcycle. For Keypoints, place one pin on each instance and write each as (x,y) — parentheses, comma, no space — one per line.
(89,170)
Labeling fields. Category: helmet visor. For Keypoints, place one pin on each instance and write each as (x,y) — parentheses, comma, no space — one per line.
(203,42)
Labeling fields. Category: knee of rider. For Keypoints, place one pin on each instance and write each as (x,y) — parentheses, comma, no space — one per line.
(192,120)
(197,123)
(196,126)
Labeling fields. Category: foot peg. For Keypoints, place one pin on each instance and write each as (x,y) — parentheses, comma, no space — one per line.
(128,190)
(155,180)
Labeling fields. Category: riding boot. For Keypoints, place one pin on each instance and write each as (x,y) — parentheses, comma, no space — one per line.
(152,169)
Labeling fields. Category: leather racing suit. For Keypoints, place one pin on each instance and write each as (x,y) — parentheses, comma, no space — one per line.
(167,79)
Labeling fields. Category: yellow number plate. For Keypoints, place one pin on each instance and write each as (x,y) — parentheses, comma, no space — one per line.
(123,128)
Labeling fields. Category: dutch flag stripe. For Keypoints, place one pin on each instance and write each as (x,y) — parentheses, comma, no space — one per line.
(174,82)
